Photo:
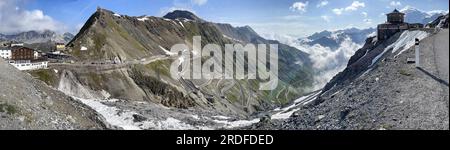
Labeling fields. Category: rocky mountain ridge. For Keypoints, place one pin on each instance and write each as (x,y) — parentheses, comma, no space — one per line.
(122,61)
(333,39)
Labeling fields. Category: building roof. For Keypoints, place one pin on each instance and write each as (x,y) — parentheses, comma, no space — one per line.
(21,47)
(5,48)
(396,12)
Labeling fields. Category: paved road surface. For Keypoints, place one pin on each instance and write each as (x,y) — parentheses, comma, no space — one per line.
(439,44)
(442,60)
(441,54)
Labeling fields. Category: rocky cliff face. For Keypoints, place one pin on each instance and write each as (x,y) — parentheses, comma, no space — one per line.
(27,103)
(142,44)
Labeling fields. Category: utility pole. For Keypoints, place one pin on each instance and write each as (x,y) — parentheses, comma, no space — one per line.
(417,49)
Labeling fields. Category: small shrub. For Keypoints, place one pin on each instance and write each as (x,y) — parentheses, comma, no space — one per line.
(9,109)
(46,75)
(405,73)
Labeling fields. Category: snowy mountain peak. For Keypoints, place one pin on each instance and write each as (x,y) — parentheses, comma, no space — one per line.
(408,9)
(414,15)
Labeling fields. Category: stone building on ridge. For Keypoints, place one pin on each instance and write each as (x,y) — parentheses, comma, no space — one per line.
(395,23)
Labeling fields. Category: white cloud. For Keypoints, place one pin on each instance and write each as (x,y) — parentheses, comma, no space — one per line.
(199,2)
(364,14)
(395,3)
(282,38)
(338,11)
(432,12)
(327,61)
(14,20)
(353,7)
(300,6)
(322,3)
(326,18)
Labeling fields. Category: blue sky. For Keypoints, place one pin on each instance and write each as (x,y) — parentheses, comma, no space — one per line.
(283,17)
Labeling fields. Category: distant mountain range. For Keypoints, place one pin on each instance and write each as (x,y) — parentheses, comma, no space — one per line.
(33,37)
(333,39)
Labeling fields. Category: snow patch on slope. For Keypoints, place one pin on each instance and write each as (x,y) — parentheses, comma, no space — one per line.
(181,23)
(403,43)
(143,19)
(407,40)
(230,38)
(235,124)
(124,119)
(167,51)
(286,112)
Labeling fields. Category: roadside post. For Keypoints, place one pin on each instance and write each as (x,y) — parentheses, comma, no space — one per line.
(417,49)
